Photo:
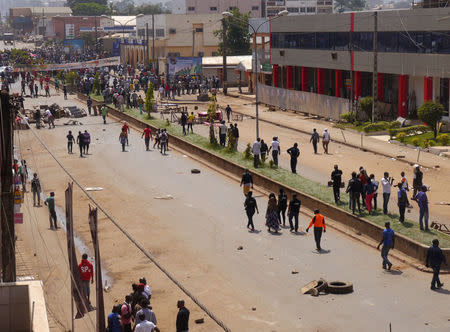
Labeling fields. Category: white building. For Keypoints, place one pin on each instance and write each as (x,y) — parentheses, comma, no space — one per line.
(299,7)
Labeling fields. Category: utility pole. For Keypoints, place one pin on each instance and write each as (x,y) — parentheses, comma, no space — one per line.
(7,194)
(153,45)
(96,35)
(352,80)
(146,46)
(193,42)
(224,56)
(375,66)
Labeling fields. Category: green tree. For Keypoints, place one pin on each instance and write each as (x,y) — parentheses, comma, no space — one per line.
(149,99)
(431,113)
(149,9)
(366,106)
(89,9)
(73,3)
(96,85)
(237,36)
(71,77)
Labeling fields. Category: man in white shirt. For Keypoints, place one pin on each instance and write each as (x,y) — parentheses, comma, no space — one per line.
(256,150)
(325,140)
(223,129)
(145,325)
(275,147)
(147,311)
(386,183)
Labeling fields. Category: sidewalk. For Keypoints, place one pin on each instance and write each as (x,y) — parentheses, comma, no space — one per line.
(305,124)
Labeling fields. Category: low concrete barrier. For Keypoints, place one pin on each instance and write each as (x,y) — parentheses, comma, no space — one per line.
(406,245)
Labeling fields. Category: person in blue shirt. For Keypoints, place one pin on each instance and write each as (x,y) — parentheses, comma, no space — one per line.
(422,201)
(114,319)
(388,241)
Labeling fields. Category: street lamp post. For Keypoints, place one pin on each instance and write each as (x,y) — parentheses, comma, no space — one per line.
(255,63)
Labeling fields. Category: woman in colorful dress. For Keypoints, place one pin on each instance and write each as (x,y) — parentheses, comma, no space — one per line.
(272,214)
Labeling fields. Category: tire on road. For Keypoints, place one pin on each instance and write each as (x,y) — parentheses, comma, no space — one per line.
(321,286)
(340,287)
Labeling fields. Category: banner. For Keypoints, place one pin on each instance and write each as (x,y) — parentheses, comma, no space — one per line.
(114,61)
(180,66)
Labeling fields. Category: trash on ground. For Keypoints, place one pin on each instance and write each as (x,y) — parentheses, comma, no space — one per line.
(199,321)
(240,248)
(93,188)
(167,197)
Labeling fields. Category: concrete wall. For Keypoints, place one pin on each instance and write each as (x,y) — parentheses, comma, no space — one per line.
(204,6)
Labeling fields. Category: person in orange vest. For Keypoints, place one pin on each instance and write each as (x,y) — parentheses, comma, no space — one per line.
(319,225)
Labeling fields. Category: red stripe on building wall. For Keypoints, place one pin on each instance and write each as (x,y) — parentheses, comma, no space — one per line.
(428,88)
(337,82)
(289,77)
(320,78)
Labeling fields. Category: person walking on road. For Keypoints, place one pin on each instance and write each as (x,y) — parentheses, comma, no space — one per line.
(250,208)
(422,201)
(86,142)
(318,221)
(182,323)
(126,314)
(417,181)
(126,128)
(276,150)
(190,122)
(147,134)
(402,201)
(282,206)
(325,140)
(293,212)
(246,182)
(163,138)
(228,111)
(123,139)
(336,178)
(256,150)
(104,113)
(36,189)
(80,142)
(272,214)
(87,274)
(354,190)
(314,139)
(388,242)
(50,202)
(386,184)
(70,140)
(294,152)
(89,104)
(435,258)
(65,91)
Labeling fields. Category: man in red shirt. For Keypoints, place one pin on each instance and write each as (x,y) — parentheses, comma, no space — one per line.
(126,128)
(148,136)
(87,273)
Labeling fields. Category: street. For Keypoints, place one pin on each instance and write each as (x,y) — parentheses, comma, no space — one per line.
(195,235)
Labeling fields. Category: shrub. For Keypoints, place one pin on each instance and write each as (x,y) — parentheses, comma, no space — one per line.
(425,143)
(149,99)
(394,124)
(348,117)
(248,152)
(366,106)
(431,142)
(401,137)
(415,142)
(444,139)
(431,113)
(412,130)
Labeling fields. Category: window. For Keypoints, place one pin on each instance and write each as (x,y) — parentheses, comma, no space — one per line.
(201,54)
(191,9)
(323,40)
(363,41)
(341,41)
(255,7)
(387,41)
(159,32)
(214,54)
(172,31)
(141,33)
(311,9)
(302,9)
(307,40)
(293,9)
(441,42)
(231,8)
(198,29)
(213,9)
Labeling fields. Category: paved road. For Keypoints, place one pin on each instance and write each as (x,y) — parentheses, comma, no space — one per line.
(196,235)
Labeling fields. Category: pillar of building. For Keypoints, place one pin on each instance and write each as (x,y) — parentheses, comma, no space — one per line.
(402,90)
(380,86)
(320,78)
(358,84)
(337,82)
(304,71)
(428,88)
(275,76)
(289,77)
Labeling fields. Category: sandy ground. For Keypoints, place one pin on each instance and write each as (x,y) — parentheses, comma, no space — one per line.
(195,235)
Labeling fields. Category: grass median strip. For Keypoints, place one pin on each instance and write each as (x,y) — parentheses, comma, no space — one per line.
(408,228)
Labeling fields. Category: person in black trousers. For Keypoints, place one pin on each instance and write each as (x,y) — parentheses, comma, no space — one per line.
(282,206)
(435,258)
(70,140)
(354,190)
(294,152)
(315,138)
(250,208)
(402,201)
(293,212)
(183,122)
(182,317)
(80,142)
(336,177)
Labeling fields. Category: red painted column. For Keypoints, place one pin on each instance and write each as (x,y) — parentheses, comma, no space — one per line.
(358,84)
(337,82)
(320,78)
(289,75)
(304,79)
(275,76)
(428,88)
(380,86)
(402,96)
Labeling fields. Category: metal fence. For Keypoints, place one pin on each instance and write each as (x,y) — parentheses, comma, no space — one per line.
(301,101)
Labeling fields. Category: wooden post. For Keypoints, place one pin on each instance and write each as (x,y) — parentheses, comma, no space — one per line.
(98,271)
